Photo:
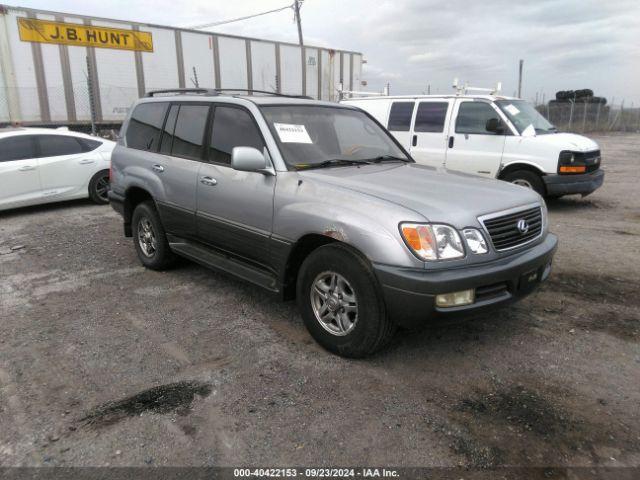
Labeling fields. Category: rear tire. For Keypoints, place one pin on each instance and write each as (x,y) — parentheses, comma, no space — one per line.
(335,280)
(526,178)
(150,239)
(99,187)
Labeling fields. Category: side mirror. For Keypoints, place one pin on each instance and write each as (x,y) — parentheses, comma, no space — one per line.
(249,159)
(494,125)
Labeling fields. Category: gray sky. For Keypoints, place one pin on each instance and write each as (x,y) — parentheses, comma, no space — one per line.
(566,44)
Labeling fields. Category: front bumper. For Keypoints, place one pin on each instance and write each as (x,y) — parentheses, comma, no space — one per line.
(568,184)
(410,293)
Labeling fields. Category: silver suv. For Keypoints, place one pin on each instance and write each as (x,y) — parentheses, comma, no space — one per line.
(317,201)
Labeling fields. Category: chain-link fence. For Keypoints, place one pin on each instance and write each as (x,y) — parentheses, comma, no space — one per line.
(70,107)
(581,116)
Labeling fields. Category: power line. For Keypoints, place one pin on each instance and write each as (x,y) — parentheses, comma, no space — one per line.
(215,24)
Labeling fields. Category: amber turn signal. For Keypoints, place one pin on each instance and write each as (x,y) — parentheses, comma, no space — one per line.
(572,169)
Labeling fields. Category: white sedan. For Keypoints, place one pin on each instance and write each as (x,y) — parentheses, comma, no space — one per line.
(42,165)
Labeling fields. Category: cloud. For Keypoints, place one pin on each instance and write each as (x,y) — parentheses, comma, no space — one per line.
(566,44)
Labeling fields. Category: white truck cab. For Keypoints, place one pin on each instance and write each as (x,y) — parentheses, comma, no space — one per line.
(491,136)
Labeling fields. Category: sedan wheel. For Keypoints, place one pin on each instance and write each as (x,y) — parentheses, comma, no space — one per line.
(102,188)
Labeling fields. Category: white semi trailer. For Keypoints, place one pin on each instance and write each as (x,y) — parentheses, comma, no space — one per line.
(68,69)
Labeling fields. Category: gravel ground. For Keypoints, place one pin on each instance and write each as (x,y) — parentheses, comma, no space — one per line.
(105,363)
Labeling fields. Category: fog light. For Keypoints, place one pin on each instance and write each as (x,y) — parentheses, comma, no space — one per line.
(455,299)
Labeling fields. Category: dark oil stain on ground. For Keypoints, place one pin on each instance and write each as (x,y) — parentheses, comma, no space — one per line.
(515,425)
(174,397)
(522,408)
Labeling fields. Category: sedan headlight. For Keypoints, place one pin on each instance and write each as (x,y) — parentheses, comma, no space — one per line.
(432,242)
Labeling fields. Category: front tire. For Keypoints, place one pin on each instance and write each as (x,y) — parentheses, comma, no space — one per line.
(527,179)
(341,303)
(150,239)
(99,187)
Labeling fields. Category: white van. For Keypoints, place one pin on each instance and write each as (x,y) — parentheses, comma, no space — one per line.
(491,136)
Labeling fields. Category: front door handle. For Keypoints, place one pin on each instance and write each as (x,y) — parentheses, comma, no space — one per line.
(414,141)
(209,181)
(158,168)
(27,168)
(451,141)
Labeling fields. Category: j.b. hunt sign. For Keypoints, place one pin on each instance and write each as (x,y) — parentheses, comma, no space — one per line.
(43,31)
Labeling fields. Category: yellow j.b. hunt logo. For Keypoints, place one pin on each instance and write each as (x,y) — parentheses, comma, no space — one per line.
(43,31)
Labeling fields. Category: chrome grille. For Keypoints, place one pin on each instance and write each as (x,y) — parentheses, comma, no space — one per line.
(504,232)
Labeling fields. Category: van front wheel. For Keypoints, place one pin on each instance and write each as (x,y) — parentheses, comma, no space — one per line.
(527,179)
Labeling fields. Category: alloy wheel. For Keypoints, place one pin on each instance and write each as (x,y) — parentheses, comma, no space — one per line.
(334,303)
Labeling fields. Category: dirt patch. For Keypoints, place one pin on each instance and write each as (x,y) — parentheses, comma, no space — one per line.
(625,327)
(478,456)
(522,408)
(594,288)
(174,397)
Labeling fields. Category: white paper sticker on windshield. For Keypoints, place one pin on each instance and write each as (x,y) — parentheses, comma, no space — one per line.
(290,133)
(512,109)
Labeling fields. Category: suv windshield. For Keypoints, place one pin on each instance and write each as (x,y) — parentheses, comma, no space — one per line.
(523,116)
(313,136)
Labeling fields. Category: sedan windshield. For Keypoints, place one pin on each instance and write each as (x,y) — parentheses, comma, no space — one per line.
(523,115)
(313,136)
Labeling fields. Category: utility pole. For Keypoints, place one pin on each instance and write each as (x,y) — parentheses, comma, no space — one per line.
(303,55)
(520,79)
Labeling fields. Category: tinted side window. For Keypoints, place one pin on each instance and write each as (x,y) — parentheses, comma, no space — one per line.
(19,147)
(143,132)
(232,127)
(188,137)
(473,116)
(400,116)
(56,145)
(430,116)
(88,145)
(167,134)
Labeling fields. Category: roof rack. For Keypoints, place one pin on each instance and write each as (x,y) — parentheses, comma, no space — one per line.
(182,91)
(217,91)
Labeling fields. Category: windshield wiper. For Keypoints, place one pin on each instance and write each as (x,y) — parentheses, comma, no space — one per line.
(333,162)
(387,158)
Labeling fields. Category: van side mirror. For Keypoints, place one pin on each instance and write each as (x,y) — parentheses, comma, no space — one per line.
(249,159)
(494,125)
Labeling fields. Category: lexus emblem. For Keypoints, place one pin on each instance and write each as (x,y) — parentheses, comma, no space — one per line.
(523,226)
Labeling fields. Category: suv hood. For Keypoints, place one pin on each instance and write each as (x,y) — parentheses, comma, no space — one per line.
(455,199)
(566,141)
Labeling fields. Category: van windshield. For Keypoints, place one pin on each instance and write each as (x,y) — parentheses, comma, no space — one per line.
(311,136)
(523,115)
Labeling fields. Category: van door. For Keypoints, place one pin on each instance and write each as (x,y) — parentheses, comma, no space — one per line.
(471,148)
(429,136)
(399,122)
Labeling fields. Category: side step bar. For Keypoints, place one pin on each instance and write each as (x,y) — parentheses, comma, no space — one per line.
(218,261)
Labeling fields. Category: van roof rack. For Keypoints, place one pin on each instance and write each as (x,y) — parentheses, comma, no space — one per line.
(217,91)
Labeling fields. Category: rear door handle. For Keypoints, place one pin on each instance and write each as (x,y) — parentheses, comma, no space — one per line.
(158,168)
(414,141)
(27,168)
(451,138)
(86,161)
(209,181)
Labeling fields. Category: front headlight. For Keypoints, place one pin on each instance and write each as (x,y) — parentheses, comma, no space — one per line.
(545,216)
(475,241)
(432,242)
